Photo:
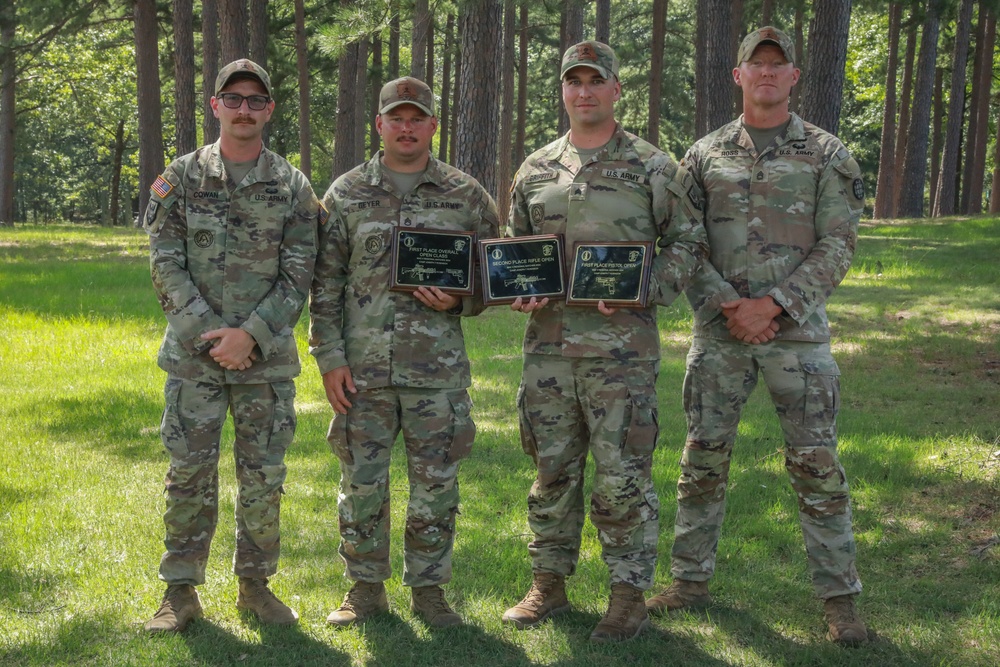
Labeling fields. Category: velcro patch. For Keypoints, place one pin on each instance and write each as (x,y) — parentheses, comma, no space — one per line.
(324,215)
(161,187)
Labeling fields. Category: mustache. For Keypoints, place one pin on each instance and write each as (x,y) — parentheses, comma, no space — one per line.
(244,120)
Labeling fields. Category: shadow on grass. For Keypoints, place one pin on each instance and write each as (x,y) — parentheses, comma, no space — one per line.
(292,645)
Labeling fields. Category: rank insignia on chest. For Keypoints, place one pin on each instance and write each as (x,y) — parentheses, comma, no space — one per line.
(578,192)
(373,244)
(203,238)
(537,213)
(161,187)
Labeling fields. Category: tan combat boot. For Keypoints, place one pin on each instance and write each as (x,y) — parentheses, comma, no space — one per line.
(363,601)
(258,599)
(682,594)
(845,626)
(626,616)
(429,603)
(180,604)
(546,597)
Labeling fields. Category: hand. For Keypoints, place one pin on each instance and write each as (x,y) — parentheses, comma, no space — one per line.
(434,298)
(604,310)
(529,306)
(232,348)
(334,383)
(751,320)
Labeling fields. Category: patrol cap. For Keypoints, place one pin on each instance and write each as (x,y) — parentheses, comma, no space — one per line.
(591,54)
(406,90)
(762,35)
(246,68)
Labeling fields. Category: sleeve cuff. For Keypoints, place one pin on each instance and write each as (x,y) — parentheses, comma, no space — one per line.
(261,333)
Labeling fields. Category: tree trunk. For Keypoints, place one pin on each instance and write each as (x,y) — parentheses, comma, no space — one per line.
(429,70)
(114,206)
(393,72)
(8,120)
(209,68)
(995,186)
(346,131)
(911,203)
(374,141)
(979,114)
(716,72)
(476,136)
(444,115)
(360,99)
(418,40)
(823,93)
(506,149)
(736,32)
(700,54)
(905,104)
(456,106)
(186,127)
(936,123)
(522,86)
(945,201)
(233,30)
(148,88)
(887,154)
(570,33)
(656,70)
(302,68)
(602,22)
(795,104)
(258,32)
(767,12)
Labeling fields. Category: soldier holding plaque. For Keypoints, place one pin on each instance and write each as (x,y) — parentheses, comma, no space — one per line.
(588,385)
(395,361)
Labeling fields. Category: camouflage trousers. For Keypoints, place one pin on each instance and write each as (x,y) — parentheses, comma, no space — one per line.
(569,408)
(804,383)
(191,430)
(438,432)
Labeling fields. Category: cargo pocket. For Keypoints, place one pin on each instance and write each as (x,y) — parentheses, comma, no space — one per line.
(336,437)
(464,433)
(822,401)
(172,432)
(528,442)
(283,419)
(693,407)
(643,423)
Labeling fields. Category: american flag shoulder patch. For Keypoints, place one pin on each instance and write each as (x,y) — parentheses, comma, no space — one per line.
(324,214)
(161,187)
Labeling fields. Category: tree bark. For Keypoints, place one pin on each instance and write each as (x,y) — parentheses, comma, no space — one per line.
(393,72)
(456,106)
(887,154)
(114,206)
(148,88)
(911,203)
(978,136)
(476,136)
(444,114)
(937,121)
(418,39)
(374,141)
(233,30)
(302,68)
(823,92)
(506,149)
(716,72)
(360,86)
(767,12)
(570,33)
(8,120)
(522,86)
(945,201)
(736,31)
(209,68)
(344,136)
(995,186)
(905,104)
(429,70)
(656,70)
(186,128)
(795,104)
(258,32)
(602,22)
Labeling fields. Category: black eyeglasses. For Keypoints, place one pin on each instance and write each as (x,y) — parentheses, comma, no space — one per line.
(235,101)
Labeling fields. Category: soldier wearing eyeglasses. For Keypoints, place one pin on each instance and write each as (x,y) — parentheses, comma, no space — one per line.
(232,230)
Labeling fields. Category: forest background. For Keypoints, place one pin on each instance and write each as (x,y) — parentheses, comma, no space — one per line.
(97,95)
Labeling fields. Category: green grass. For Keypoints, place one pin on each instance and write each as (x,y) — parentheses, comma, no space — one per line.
(917,327)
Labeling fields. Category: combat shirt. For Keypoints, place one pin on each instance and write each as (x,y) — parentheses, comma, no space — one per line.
(628,191)
(231,255)
(783,222)
(390,338)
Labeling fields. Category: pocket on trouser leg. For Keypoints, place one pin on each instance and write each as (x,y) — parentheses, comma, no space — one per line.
(172,432)
(822,380)
(283,419)
(643,423)
(528,441)
(337,438)
(464,433)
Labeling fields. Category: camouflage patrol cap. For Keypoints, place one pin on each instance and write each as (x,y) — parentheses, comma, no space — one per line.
(761,35)
(406,90)
(243,67)
(591,54)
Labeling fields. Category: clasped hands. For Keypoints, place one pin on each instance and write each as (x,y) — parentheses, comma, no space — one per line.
(232,348)
(752,320)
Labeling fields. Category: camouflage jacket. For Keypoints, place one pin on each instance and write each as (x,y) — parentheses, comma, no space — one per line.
(629,191)
(389,338)
(228,256)
(782,223)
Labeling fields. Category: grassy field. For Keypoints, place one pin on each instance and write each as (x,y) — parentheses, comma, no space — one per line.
(917,327)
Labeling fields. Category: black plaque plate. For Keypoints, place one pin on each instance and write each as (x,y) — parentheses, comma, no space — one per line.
(615,273)
(526,266)
(432,258)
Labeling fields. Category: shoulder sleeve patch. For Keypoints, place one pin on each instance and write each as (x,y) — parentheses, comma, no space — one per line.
(324,214)
(161,187)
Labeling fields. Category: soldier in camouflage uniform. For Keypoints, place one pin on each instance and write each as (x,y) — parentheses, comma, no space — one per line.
(232,232)
(783,199)
(395,361)
(588,385)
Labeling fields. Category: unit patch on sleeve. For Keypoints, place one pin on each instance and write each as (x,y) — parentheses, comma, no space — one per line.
(161,187)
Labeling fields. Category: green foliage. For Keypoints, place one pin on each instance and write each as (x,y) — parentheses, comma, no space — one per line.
(917,337)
